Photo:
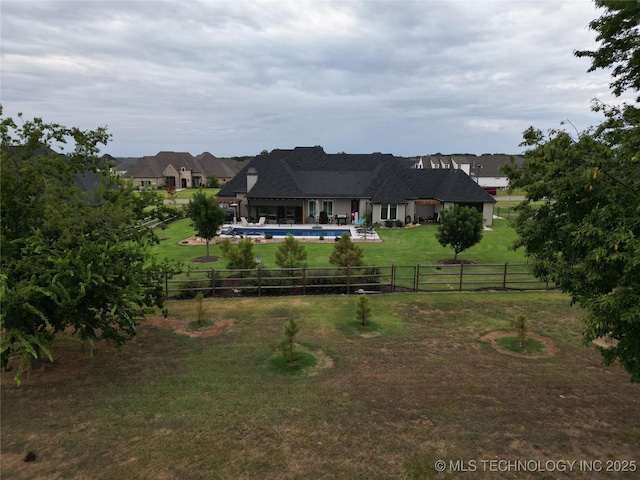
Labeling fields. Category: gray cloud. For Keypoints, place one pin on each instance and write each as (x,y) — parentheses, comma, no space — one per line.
(235,78)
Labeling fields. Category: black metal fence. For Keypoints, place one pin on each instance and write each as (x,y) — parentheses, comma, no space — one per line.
(350,280)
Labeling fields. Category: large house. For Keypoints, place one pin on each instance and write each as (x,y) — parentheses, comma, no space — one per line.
(182,170)
(484,169)
(307,185)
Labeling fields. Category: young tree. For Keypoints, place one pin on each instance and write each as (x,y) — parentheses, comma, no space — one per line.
(239,256)
(172,193)
(212,181)
(519,324)
(586,234)
(291,329)
(291,253)
(346,253)
(74,254)
(206,215)
(460,229)
(363,310)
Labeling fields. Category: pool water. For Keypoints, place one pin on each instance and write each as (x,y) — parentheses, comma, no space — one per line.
(283,232)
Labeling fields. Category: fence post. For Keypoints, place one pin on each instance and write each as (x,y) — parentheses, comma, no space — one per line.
(416,280)
(304,280)
(348,279)
(504,277)
(213,282)
(393,278)
(259,283)
(461,274)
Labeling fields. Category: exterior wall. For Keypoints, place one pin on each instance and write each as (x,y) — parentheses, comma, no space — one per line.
(465,167)
(497,182)
(138,182)
(402,210)
(487,213)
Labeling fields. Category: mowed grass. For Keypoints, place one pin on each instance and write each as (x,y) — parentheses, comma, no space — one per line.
(188,193)
(421,387)
(400,246)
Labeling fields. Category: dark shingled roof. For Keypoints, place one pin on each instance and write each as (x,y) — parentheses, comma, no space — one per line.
(309,172)
(206,164)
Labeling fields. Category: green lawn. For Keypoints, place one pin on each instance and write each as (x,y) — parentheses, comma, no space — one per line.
(188,193)
(400,246)
(386,404)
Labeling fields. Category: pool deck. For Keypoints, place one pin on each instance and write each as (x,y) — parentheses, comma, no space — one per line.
(356,234)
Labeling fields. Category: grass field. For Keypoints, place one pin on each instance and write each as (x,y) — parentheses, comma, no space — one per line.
(188,193)
(400,246)
(387,404)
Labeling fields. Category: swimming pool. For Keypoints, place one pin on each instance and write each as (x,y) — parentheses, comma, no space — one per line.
(283,232)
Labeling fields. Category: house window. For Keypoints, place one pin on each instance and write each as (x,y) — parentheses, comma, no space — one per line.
(145,183)
(327,206)
(389,211)
(446,165)
(312,208)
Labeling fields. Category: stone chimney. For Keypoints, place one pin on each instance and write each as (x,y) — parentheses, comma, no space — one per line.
(252,178)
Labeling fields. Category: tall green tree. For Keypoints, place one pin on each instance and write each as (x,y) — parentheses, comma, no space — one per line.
(206,215)
(460,228)
(585,235)
(291,253)
(75,254)
(346,253)
(619,37)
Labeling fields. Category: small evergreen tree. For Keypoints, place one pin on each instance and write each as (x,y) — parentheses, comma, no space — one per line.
(239,256)
(519,324)
(291,329)
(291,253)
(201,309)
(460,229)
(346,253)
(363,310)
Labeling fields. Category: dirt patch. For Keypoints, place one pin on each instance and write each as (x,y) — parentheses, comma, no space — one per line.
(550,348)
(451,261)
(181,326)
(324,362)
(605,342)
(205,259)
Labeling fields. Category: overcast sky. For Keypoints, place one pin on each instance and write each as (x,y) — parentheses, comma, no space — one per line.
(239,77)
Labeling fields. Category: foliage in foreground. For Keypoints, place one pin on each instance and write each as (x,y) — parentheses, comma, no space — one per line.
(586,234)
(74,251)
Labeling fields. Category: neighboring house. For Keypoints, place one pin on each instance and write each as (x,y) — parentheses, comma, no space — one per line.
(307,185)
(181,169)
(484,169)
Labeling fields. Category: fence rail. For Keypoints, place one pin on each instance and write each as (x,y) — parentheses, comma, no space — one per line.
(350,280)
